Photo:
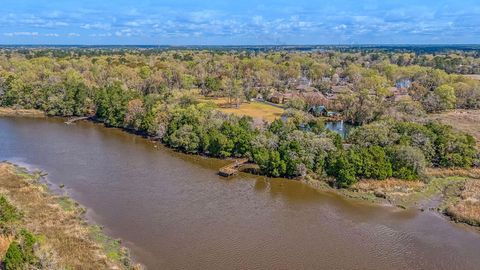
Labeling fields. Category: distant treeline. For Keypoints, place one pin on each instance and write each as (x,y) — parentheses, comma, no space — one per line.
(450,58)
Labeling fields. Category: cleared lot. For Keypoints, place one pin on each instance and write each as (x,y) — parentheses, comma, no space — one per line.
(254,109)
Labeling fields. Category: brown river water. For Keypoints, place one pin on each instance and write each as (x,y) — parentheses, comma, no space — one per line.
(174,212)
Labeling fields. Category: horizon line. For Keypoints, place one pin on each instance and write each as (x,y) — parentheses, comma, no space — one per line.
(245,45)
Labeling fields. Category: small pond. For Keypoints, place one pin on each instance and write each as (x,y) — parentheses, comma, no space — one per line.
(340,127)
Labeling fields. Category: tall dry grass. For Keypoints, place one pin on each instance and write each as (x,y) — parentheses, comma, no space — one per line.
(467,209)
(67,241)
(449,172)
(21,112)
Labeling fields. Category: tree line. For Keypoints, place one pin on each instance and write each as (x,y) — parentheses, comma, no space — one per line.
(152,95)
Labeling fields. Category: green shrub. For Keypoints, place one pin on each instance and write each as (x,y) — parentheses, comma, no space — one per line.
(219,144)
(270,162)
(339,166)
(112,103)
(370,162)
(14,259)
(28,242)
(185,139)
(8,212)
(452,149)
(408,162)
(379,133)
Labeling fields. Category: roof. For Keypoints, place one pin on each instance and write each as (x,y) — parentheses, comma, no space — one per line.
(402,97)
(318,108)
(393,89)
(314,94)
(306,88)
(340,89)
(275,94)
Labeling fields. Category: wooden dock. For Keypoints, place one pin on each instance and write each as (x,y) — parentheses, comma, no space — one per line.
(232,169)
(75,119)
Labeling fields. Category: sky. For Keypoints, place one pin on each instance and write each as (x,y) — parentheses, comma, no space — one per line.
(240,22)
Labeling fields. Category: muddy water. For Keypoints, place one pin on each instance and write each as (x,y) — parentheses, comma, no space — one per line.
(174,212)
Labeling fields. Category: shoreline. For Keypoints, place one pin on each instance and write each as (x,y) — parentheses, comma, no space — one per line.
(67,239)
(439,192)
(31,113)
(454,197)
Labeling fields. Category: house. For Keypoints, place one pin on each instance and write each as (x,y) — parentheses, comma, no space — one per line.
(315,98)
(403,83)
(276,97)
(402,97)
(318,110)
(332,114)
(304,81)
(336,91)
(288,96)
(393,90)
(305,89)
(398,94)
(335,79)
(340,89)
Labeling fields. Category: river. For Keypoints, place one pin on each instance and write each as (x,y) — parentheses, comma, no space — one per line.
(174,212)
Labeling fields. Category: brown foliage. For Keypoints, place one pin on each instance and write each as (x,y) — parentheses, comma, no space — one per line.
(468,208)
(67,238)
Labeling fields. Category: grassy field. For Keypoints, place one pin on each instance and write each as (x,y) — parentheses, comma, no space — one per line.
(254,109)
(462,120)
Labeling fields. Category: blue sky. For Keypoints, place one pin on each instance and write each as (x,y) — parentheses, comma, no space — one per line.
(240,22)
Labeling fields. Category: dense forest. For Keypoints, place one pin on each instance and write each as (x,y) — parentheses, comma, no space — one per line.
(158,93)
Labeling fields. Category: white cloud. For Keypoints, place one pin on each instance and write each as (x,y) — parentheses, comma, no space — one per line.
(73,34)
(100,26)
(50,24)
(128,32)
(141,22)
(101,35)
(52,35)
(21,34)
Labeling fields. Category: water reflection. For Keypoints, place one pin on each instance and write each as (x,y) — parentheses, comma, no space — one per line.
(339,127)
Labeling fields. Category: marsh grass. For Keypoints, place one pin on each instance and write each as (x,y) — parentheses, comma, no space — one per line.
(66,240)
(466,206)
(473,173)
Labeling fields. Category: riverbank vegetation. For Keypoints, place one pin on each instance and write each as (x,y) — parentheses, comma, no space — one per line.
(4,111)
(386,95)
(466,205)
(43,231)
